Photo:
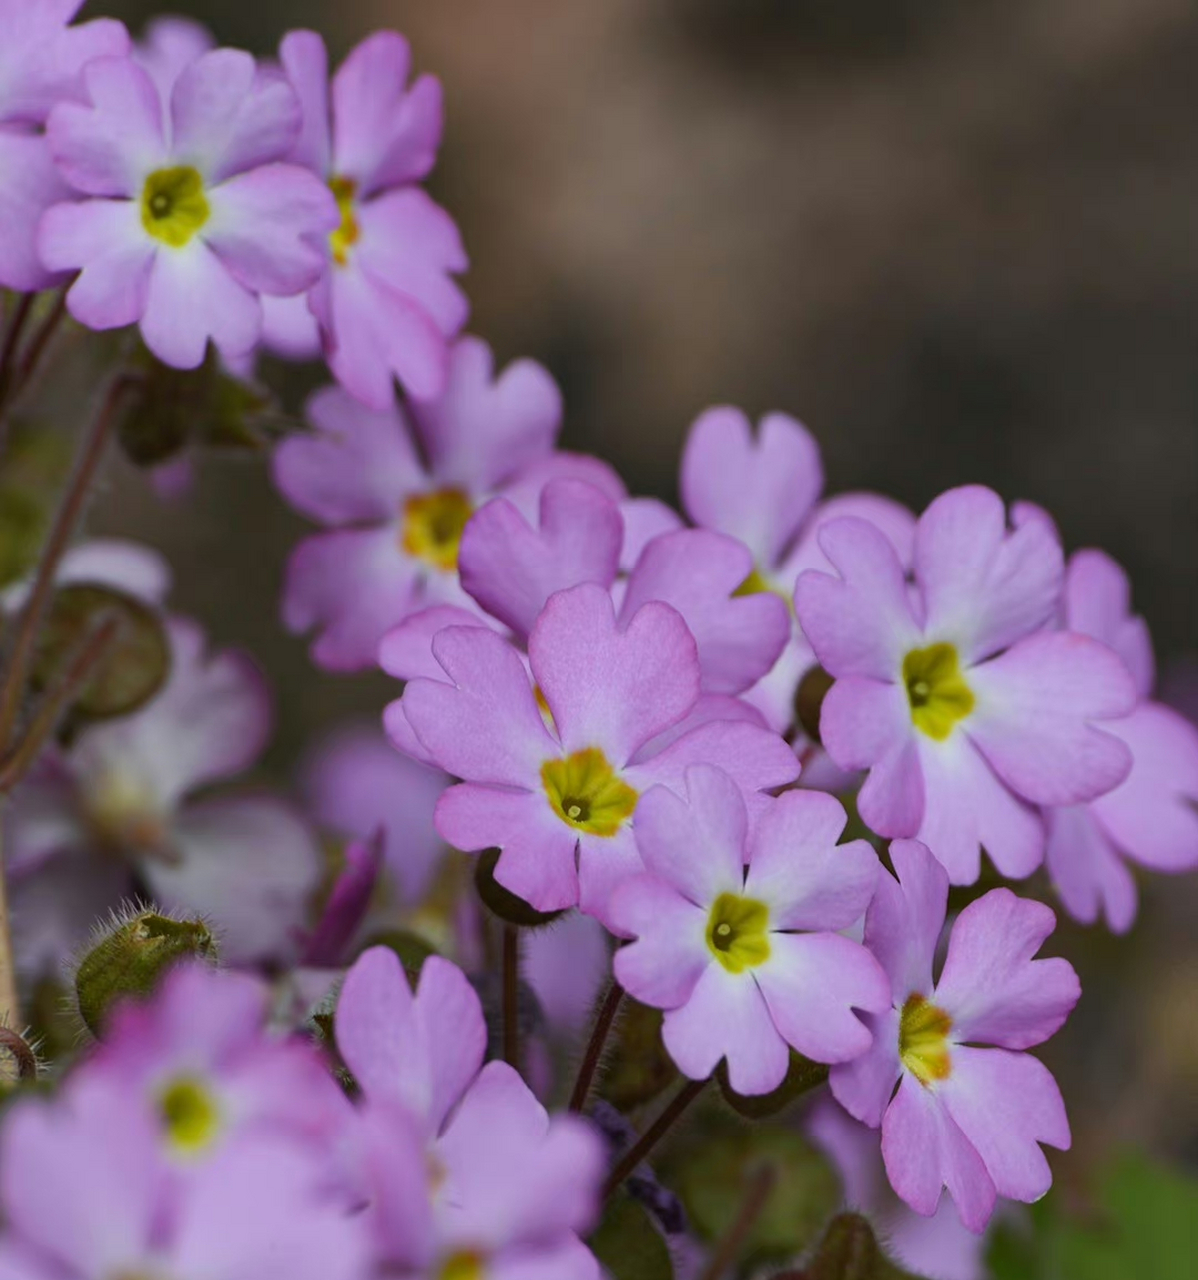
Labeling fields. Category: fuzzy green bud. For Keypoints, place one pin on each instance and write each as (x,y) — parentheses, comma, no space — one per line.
(130,957)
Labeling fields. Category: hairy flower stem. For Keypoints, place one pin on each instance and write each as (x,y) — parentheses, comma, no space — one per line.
(653,1134)
(511,995)
(66,521)
(594,1052)
(757,1194)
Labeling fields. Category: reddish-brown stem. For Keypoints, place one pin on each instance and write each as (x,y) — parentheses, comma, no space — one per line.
(757,1194)
(594,1051)
(40,341)
(653,1134)
(65,522)
(511,995)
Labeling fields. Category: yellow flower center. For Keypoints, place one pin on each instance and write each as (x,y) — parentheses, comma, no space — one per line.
(737,932)
(173,205)
(189,1114)
(463,1266)
(587,793)
(923,1040)
(345,192)
(433,525)
(936,689)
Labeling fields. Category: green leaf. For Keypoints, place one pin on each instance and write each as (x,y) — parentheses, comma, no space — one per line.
(628,1244)
(714,1173)
(135,664)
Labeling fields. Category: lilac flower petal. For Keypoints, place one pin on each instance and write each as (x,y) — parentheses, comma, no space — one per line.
(407,651)
(230,115)
(905,918)
(861,623)
(891,800)
(266,226)
(566,965)
(984,587)
(865,1085)
(347,906)
(1034,708)
(968,808)
(608,687)
(103,237)
(358,465)
(403,737)
(513,1174)
(1152,815)
(192,299)
(210,722)
(485,726)
(512,569)
(289,328)
(249,865)
(924,1150)
(991,987)
(1087,872)
(695,844)
(357,783)
(413,246)
(29,185)
(566,1258)
(644,520)
(1006,1104)
(796,866)
(709,708)
(1098,603)
(894,520)
(421,1050)
(354,585)
(758,489)
(306,62)
(50,1193)
(812,983)
(523,490)
(697,571)
(670,953)
(726,1017)
(487,429)
(391,1150)
(605,863)
(119,562)
(537,862)
(107,148)
(42,56)
(377,334)
(168,46)
(384,133)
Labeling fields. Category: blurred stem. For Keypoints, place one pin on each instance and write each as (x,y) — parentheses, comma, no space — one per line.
(757,1194)
(10,1004)
(511,995)
(594,1051)
(8,357)
(653,1134)
(65,523)
(83,663)
(36,349)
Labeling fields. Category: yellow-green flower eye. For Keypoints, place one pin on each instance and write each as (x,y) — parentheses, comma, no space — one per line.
(189,1114)
(923,1040)
(936,690)
(587,793)
(737,932)
(174,206)
(433,525)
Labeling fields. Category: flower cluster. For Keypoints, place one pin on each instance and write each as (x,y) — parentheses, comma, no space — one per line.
(655,728)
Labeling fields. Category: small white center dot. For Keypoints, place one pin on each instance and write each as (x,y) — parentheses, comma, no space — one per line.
(574,811)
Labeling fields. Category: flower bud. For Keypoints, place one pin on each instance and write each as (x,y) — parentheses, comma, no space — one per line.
(130,956)
(850,1251)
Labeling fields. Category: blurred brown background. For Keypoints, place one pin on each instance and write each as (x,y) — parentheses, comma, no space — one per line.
(959,238)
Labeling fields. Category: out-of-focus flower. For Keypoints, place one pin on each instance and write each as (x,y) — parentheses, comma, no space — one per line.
(763,488)
(510,1187)
(168,46)
(88,1194)
(41,58)
(748,960)
(357,784)
(566,963)
(387,304)
(511,568)
(207,1072)
(965,1116)
(115,813)
(396,522)
(937,1248)
(965,712)
(188,217)
(554,766)
(1150,818)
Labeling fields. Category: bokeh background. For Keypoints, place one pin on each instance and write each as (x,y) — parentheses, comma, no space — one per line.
(958,238)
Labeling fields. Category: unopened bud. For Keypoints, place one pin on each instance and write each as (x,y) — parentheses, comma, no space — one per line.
(849,1251)
(129,958)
